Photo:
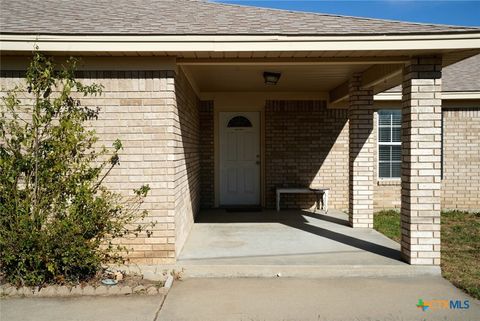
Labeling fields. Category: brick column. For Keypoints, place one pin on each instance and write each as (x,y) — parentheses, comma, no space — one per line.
(421,160)
(361,149)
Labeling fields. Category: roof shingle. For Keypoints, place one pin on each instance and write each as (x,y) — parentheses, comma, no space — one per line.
(463,76)
(188,17)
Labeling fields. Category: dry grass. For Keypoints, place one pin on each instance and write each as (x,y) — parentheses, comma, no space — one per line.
(461,250)
(460,245)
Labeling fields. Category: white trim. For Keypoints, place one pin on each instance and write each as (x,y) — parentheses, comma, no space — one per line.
(388,96)
(242,38)
(192,82)
(258,98)
(460,95)
(395,96)
(21,62)
(296,61)
(392,181)
(153,43)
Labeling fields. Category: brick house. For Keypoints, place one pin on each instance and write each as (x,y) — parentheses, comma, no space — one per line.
(384,113)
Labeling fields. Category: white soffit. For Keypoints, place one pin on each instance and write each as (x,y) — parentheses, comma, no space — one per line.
(249,78)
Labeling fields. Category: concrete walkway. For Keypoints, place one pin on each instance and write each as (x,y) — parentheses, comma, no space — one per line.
(312,299)
(114,308)
(252,299)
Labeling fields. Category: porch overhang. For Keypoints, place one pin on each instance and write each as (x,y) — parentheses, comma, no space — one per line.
(379,57)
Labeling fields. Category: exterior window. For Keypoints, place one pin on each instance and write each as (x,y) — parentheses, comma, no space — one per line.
(389,144)
(239,121)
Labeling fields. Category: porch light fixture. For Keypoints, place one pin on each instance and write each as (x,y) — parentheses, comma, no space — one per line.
(271,78)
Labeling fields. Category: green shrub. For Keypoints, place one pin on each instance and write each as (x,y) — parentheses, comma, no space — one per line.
(57,221)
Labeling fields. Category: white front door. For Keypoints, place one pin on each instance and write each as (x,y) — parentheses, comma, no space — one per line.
(239,158)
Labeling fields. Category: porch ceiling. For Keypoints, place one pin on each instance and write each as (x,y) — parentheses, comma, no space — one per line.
(304,78)
(303,73)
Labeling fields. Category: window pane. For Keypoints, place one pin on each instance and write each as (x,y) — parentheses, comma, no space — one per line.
(396,117)
(384,170)
(396,169)
(389,135)
(384,135)
(239,121)
(384,118)
(384,153)
(396,153)
(396,138)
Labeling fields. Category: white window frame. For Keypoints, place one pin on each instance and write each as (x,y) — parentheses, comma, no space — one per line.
(386,144)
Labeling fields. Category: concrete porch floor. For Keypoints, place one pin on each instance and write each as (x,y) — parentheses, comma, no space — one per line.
(292,243)
(289,237)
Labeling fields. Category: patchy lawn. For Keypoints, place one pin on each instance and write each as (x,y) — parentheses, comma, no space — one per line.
(387,222)
(460,245)
(461,250)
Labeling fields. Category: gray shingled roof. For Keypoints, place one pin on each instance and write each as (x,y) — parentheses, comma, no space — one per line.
(461,76)
(192,17)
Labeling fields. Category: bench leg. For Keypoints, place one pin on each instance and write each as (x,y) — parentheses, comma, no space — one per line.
(278,202)
(318,200)
(325,201)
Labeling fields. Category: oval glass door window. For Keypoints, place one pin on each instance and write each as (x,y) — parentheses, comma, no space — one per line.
(239,121)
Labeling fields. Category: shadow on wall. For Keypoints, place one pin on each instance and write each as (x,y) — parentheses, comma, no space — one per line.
(207,191)
(306,146)
(186,158)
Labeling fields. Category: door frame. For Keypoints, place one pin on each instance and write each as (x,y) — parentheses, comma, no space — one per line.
(219,108)
(220,124)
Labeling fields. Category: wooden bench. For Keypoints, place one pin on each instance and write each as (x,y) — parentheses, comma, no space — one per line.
(319,193)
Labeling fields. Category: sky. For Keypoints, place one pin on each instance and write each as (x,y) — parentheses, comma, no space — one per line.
(465,13)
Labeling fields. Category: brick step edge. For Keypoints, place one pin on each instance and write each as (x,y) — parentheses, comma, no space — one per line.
(7,290)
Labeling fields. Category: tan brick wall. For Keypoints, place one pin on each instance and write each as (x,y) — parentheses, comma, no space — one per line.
(461,164)
(207,179)
(186,131)
(421,160)
(461,158)
(306,144)
(155,115)
(138,108)
(361,154)
(386,195)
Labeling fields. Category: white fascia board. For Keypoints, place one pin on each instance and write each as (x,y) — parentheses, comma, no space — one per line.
(450,95)
(109,43)
(20,62)
(461,95)
(388,96)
